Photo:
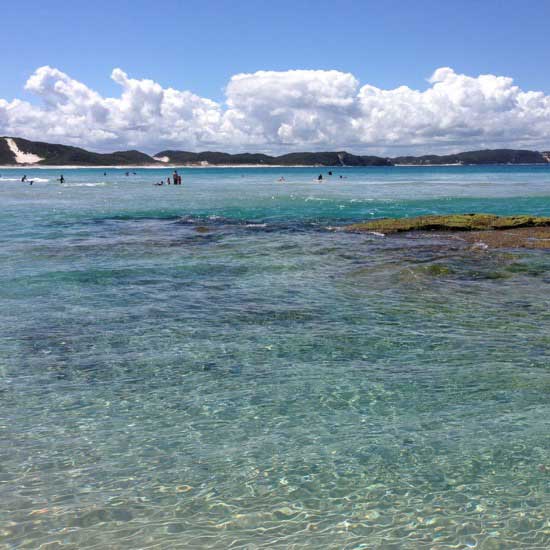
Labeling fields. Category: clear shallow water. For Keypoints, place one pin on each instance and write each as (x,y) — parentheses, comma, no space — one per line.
(266,382)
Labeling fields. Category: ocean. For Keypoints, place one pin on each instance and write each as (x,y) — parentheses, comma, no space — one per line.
(218,365)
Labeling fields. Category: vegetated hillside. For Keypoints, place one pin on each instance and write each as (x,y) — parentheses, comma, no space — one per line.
(290,159)
(486,156)
(214,157)
(57,154)
(6,154)
(331,159)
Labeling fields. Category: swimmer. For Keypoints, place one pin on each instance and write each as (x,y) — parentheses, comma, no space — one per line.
(281,179)
(61,179)
(320,177)
(24,178)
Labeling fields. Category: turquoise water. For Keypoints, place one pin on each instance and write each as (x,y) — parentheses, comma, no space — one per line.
(217,366)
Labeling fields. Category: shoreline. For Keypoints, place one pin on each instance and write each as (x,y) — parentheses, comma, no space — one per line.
(167,166)
(241,166)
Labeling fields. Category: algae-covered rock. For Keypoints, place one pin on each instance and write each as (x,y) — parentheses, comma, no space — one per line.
(453,222)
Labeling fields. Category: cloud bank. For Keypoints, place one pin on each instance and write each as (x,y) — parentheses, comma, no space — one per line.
(284,111)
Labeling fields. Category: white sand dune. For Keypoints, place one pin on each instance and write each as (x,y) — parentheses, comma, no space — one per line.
(20,156)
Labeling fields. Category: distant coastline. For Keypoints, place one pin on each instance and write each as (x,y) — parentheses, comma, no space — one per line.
(21,153)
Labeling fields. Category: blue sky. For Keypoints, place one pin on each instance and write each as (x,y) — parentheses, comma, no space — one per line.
(197,48)
(198,45)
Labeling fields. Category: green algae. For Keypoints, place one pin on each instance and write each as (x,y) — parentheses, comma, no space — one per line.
(438,270)
(453,222)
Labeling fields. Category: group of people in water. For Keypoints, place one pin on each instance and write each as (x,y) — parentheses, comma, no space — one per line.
(176,179)
(319,177)
(24,179)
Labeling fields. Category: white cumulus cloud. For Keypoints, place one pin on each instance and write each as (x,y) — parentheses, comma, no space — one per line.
(284,111)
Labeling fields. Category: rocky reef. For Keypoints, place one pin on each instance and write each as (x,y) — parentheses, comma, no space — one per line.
(452,222)
(478,229)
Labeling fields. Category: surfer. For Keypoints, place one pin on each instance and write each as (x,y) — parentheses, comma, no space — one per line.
(24,178)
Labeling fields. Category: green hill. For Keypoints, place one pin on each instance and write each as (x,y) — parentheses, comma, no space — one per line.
(486,156)
(290,159)
(54,154)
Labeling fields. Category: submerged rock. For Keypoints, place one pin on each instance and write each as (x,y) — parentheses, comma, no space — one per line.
(202,229)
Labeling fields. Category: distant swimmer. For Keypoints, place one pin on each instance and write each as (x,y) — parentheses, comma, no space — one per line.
(127,174)
(159,183)
(24,178)
(31,182)
(61,179)
(281,179)
(168,180)
(330,173)
(320,177)
(104,173)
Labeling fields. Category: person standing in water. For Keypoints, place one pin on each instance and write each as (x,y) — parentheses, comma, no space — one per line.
(320,177)
(61,179)
(24,178)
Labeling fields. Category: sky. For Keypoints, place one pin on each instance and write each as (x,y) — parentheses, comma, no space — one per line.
(368,76)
